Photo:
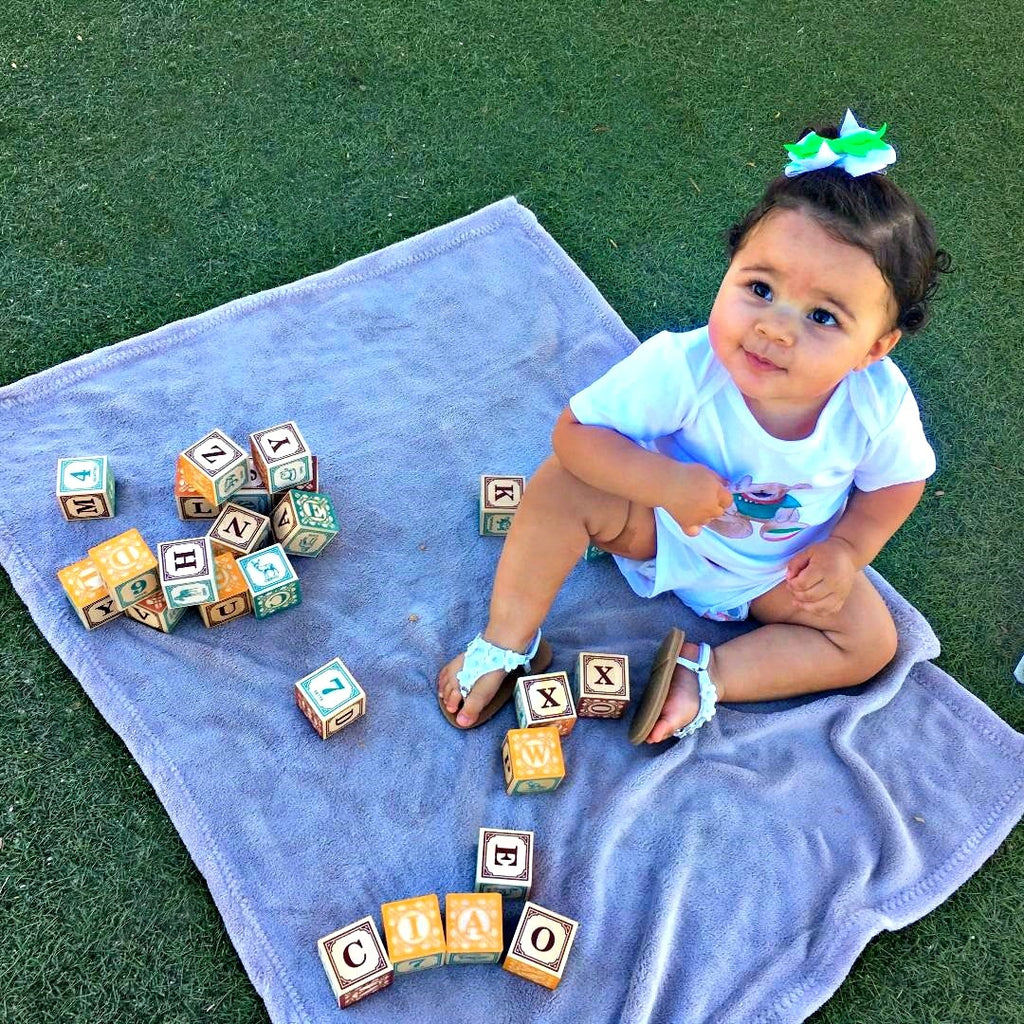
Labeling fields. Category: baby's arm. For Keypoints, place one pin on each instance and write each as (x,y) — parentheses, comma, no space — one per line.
(693,495)
(821,576)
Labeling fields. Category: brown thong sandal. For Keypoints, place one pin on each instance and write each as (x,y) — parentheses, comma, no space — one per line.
(540,661)
(656,692)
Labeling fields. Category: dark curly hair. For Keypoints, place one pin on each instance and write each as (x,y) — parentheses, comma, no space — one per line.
(871,213)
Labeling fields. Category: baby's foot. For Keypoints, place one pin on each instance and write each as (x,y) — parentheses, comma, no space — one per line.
(683,701)
(483,690)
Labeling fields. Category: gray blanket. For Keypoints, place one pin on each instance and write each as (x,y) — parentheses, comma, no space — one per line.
(731,877)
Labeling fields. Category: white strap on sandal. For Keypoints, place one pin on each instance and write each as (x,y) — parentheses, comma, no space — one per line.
(708,693)
(483,657)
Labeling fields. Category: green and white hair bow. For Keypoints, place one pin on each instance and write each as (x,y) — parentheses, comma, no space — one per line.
(858,150)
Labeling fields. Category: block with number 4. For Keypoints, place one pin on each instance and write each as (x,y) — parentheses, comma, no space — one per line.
(233,598)
(271,580)
(499,500)
(128,567)
(85,487)
(413,932)
(87,593)
(355,961)
(330,698)
(282,457)
(532,760)
(304,522)
(187,572)
(540,946)
(504,862)
(215,467)
(473,928)
(545,700)
(238,531)
(601,685)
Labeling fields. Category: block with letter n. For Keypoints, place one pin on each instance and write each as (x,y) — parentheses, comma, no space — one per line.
(238,531)
(499,499)
(215,467)
(356,962)
(504,862)
(85,488)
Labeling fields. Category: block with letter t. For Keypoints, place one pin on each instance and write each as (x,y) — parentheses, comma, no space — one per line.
(504,862)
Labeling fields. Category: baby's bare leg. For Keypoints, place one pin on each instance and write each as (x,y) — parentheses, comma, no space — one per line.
(559,515)
(794,653)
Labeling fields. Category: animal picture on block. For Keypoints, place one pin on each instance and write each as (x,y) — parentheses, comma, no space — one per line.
(272,582)
(356,962)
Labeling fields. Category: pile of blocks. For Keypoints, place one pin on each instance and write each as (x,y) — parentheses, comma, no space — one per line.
(265,506)
(358,964)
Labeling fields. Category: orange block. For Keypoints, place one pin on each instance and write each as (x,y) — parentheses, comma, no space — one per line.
(87,593)
(128,568)
(234,600)
(413,932)
(473,927)
(191,504)
(532,760)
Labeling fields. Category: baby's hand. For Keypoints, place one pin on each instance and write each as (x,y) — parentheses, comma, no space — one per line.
(821,576)
(696,497)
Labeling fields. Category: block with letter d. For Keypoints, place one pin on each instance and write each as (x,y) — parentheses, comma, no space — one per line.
(601,685)
(87,593)
(504,862)
(85,487)
(356,962)
(128,567)
(188,575)
(499,500)
(540,946)
(330,698)
(545,700)
(215,467)
(414,933)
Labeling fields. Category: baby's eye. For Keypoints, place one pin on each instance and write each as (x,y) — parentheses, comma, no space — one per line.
(761,290)
(824,317)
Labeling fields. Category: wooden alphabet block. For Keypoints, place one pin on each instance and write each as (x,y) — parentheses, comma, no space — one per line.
(330,698)
(233,598)
(215,467)
(155,612)
(253,494)
(238,531)
(272,581)
(499,500)
(593,553)
(540,946)
(127,566)
(504,862)
(532,760)
(282,457)
(473,928)
(85,487)
(304,522)
(355,961)
(413,932)
(190,503)
(545,700)
(313,484)
(87,593)
(601,685)
(187,572)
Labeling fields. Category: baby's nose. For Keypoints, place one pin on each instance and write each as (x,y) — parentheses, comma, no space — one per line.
(777,329)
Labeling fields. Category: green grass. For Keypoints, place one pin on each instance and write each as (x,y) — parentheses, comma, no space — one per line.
(160,159)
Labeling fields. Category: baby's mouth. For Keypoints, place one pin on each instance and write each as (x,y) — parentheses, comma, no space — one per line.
(758,363)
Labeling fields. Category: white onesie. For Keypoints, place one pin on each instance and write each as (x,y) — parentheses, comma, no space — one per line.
(672,395)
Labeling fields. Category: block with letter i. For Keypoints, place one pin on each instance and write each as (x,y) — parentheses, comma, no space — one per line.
(85,487)
(601,685)
(282,457)
(532,760)
(272,582)
(129,569)
(356,962)
(238,531)
(188,575)
(304,522)
(215,467)
(504,862)
(414,934)
(499,500)
(155,612)
(545,700)
(473,928)
(87,593)
(233,598)
(190,503)
(330,698)
(540,946)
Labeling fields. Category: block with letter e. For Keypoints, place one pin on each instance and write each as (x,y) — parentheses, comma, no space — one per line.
(355,961)
(238,530)
(601,685)
(504,862)
(540,946)
(414,933)
(330,698)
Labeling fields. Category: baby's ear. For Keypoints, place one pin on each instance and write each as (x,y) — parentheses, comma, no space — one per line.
(881,348)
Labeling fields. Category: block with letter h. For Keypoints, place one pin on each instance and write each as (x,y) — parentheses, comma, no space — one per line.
(356,962)
(188,574)
(504,862)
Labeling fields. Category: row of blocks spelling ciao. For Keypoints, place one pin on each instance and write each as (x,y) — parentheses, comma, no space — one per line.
(236,568)
(357,963)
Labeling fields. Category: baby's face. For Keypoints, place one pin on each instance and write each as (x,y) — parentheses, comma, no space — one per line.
(798,310)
